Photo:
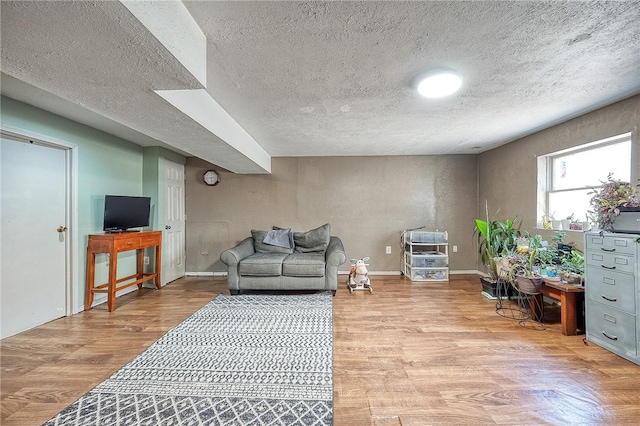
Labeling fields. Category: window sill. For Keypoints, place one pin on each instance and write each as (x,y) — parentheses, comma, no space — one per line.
(581,231)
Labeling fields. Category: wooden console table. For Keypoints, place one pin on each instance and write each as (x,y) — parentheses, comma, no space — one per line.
(571,299)
(114,244)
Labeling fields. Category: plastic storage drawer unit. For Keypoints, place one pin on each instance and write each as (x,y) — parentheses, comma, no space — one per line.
(427,237)
(429,274)
(431,260)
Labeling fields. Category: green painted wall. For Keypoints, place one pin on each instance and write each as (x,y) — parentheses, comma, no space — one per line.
(106,165)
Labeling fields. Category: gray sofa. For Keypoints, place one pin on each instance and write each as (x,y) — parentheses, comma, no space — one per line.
(310,262)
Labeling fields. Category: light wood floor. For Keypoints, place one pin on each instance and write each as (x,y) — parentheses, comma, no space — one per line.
(409,354)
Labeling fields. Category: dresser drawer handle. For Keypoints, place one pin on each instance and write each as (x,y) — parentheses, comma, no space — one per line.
(608,267)
(609,299)
(129,243)
(609,250)
(609,337)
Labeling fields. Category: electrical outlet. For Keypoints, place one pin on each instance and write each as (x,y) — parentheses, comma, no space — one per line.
(388,250)
(455,249)
(146,260)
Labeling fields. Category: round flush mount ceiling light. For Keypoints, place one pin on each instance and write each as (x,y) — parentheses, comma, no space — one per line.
(439,84)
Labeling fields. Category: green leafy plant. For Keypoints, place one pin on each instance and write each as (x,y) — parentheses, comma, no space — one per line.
(558,237)
(534,260)
(529,257)
(607,200)
(573,262)
(547,256)
(495,238)
(526,266)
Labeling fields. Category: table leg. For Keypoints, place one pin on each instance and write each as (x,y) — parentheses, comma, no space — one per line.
(158,266)
(89,280)
(113,270)
(580,311)
(568,313)
(140,266)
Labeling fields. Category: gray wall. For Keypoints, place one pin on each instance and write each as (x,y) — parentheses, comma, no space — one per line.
(507,175)
(367,200)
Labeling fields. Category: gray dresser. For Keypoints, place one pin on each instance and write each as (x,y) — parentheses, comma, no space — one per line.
(612,290)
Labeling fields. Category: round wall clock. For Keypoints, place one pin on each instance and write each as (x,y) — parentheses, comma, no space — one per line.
(211,177)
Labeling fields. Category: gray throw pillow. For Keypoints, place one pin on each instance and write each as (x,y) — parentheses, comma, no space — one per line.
(315,240)
(261,247)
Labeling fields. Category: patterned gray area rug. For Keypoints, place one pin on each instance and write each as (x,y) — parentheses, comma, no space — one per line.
(240,360)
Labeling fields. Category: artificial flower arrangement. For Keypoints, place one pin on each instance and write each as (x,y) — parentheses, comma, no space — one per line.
(608,200)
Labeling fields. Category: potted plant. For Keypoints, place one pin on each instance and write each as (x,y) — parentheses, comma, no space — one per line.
(526,265)
(548,260)
(572,265)
(495,238)
(535,261)
(550,222)
(614,197)
(561,245)
(566,223)
(523,271)
(575,224)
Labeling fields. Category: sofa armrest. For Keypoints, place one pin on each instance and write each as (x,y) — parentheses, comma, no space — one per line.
(232,257)
(334,257)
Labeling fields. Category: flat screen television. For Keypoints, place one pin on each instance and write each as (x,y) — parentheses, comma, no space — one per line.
(122,213)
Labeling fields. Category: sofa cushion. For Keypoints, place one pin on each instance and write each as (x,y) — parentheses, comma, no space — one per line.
(261,247)
(315,240)
(262,264)
(304,265)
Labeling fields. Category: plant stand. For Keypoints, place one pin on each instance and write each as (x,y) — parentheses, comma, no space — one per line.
(530,305)
(507,303)
(525,307)
(530,312)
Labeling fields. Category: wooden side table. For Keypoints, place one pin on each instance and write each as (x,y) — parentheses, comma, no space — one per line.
(571,299)
(114,244)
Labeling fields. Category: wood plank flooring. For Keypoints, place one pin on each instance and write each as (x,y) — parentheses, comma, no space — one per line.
(408,354)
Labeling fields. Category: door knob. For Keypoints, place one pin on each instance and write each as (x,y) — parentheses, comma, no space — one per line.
(61,228)
(167,227)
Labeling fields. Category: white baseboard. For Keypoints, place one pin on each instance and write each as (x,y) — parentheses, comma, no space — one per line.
(99,299)
(466,272)
(384,273)
(373,273)
(224,274)
(458,272)
(205,274)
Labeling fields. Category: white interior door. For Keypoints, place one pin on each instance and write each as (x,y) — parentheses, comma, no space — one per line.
(173,240)
(34,252)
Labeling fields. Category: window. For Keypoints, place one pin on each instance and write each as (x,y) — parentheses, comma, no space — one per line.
(565,178)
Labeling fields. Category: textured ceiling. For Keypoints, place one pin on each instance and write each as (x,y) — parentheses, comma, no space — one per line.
(326,78)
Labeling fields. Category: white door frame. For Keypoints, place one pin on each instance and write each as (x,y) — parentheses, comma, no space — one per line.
(71,208)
